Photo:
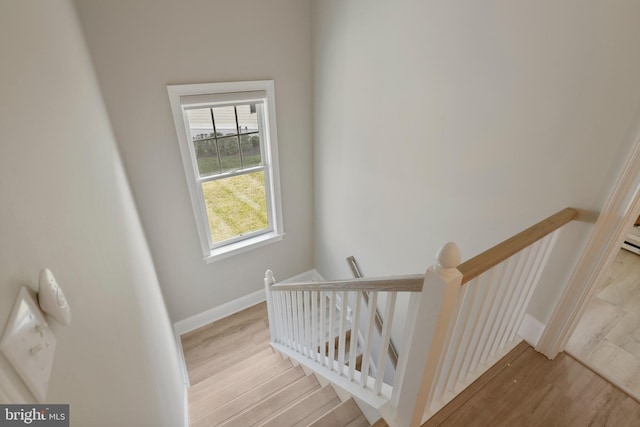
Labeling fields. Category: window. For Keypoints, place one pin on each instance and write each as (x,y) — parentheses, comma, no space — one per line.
(227,137)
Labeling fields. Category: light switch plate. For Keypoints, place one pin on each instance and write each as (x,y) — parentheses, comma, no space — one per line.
(29,345)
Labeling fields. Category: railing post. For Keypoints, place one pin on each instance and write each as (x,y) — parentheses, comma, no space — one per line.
(268,281)
(425,338)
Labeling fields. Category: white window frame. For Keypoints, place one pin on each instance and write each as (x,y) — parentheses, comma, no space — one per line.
(269,148)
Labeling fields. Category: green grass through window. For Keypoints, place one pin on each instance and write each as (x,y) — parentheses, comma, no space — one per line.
(236,205)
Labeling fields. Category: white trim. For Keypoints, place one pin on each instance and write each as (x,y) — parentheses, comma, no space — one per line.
(241,246)
(178,95)
(183,363)
(186,405)
(531,329)
(227,309)
(216,313)
(308,276)
(220,312)
(621,209)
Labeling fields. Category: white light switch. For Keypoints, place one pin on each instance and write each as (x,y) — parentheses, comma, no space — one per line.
(29,344)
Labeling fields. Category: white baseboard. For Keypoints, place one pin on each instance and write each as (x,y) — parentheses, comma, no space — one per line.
(531,329)
(307,276)
(216,313)
(227,309)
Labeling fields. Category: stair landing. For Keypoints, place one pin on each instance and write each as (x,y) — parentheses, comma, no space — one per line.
(237,379)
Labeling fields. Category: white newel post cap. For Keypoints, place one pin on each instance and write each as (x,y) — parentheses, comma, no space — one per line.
(448,256)
(268,278)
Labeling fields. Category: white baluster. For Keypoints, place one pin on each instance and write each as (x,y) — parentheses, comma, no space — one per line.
(549,243)
(368,341)
(332,330)
(290,338)
(307,324)
(323,321)
(301,337)
(314,325)
(385,337)
(523,261)
(355,327)
(500,297)
(268,281)
(343,331)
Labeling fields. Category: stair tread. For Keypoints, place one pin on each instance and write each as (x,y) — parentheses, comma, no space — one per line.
(251,398)
(341,415)
(216,365)
(318,403)
(360,421)
(224,327)
(237,372)
(283,398)
(219,393)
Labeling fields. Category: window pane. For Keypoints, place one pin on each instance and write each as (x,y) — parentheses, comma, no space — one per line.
(207,155)
(250,144)
(229,153)
(247,118)
(236,205)
(225,118)
(200,125)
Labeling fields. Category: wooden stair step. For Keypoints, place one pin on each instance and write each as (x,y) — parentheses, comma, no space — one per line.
(235,373)
(223,327)
(222,345)
(214,366)
(251,398)
(214,397)
(361,421)
(275,403)
(341,415)
(307,410)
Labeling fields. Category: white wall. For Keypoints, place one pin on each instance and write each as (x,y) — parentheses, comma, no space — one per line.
(65,204)
(466,121)
(138,47)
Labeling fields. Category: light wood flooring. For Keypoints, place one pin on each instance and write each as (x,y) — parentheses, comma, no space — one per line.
(527,389)
(238,380)
(607,338)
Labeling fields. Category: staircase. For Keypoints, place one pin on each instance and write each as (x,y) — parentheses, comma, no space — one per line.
(320,344)
(254,385)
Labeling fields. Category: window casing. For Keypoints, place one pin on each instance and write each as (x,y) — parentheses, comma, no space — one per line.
(228,142)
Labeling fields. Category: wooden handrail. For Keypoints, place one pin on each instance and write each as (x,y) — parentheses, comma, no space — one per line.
(491,257)
(406,283)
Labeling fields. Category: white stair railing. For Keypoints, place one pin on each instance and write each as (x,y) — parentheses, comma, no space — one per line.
(462,318)
(306,320)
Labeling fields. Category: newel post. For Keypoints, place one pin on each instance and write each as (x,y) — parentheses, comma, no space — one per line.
(268,281)
(428,319)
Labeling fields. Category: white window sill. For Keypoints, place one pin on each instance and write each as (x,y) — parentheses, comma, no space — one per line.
(242,246)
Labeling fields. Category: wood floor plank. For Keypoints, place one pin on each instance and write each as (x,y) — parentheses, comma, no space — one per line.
(212,367)
(477,385)
(224,326)
(531,390)
(247,400)
(284,397)
(342,415)
(234,374)
(213,399)
(306,410)
(361,421)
